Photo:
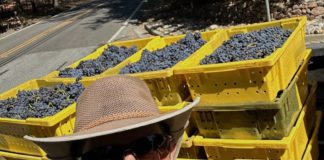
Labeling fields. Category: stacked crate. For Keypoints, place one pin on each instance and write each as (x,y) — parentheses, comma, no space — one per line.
(169,91)
(255,109)
(12,143)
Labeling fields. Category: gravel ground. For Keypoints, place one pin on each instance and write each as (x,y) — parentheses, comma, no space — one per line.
(169,21)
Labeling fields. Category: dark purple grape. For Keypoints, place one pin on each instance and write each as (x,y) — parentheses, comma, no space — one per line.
(166,57)
(111,57)
(46,101)
(247,46)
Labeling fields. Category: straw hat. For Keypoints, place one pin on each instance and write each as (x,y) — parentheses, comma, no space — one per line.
(114,110)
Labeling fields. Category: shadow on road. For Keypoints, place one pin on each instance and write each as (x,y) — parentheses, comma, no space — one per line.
(103,11)
(72,12)
(113,10)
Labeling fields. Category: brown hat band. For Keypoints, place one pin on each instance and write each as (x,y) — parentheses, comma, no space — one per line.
(119,116)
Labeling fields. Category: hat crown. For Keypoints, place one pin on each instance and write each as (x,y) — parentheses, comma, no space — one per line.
(113,98)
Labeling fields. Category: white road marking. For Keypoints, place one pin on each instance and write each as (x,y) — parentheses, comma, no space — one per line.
(126,22)
(20,30)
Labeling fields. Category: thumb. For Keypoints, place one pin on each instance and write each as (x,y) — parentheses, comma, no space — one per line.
(129,157)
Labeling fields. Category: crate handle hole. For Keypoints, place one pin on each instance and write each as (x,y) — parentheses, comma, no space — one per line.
(279,93)
(225,84)
(237,92)
(234,83)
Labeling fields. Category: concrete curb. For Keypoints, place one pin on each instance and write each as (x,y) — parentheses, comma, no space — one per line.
(314,38)
(152,31)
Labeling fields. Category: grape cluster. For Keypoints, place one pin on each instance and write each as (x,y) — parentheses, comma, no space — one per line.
(247,46)
(112,56)
(46,101)
(166,57)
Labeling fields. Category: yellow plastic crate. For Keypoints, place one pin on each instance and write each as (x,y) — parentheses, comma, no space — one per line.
(166,88)
(192,152)
(15,156)
(160,43)
(12,130)
(312,150)
(139,43)
(288,148)
(266,120)
(188,151)
(245,81)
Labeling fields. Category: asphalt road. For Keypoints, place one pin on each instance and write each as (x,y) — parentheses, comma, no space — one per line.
(58,41)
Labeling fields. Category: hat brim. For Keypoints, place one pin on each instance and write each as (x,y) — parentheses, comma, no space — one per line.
(112,132)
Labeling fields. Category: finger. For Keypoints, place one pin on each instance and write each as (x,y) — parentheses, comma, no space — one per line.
(129,157)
